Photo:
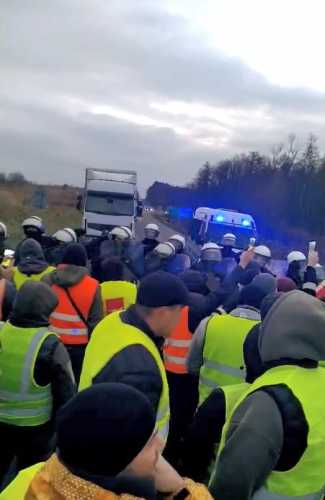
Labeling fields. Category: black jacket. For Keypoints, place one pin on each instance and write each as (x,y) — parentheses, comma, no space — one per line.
(33,305)
(134,365)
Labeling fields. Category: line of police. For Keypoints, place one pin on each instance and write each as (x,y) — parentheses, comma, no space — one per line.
(227,355)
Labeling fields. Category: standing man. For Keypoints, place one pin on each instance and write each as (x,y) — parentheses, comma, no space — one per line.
(35,378)
(125,347)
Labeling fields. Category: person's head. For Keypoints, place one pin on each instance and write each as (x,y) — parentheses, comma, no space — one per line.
(293,329)
(65,236)
(35,301)
(33,227)
(252,296)
(297,262)
(151,231)
(229,240)
(165,250)
(30,251)
(122,234)
(160,299)
(112,269)
(106,430)
(210,252)
(195,281)
(179,242)
(286,285)
(3,231)
(74,254)
(262,255)
(266,282)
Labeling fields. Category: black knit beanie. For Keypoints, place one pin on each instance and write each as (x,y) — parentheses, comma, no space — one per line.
(103,428)
(75,254)
(161,289)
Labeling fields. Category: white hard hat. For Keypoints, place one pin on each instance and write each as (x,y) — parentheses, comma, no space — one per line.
(66,235)
(122,233)
(211,251)
(295,255)
(165,250)
(179,238)
(229,239)
(33,221)
(152,227)
(263,251)
(4,230)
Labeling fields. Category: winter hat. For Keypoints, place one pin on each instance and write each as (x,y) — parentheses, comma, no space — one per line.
(103,428)
(195,281)
(268,302)
(162,289)
(252,295)
(286,285)
(266,282)
(75,254)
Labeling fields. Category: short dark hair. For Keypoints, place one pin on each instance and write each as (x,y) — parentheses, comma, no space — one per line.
(112,269)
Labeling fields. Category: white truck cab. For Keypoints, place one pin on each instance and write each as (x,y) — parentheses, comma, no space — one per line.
(110,199)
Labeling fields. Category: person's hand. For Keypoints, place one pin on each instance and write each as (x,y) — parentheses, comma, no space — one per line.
(167,480)
(313,258)
(246,257)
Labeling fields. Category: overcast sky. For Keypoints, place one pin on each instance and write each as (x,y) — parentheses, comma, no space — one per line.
(159,86)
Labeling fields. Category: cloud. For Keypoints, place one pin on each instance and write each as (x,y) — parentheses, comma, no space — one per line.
(131,85)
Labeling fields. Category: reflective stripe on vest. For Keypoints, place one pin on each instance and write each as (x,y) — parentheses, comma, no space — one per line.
(177,346)
(102,348)
(306,480)
(65,320)
(223,353)
(19,278)
(26,404)
(117,295)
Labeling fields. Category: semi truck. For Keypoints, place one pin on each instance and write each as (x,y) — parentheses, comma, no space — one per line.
(110,199)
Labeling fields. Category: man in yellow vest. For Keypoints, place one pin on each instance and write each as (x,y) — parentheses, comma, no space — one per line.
(32,265)
(35,378)
(217,347)
(125,346)
(117,293)
(273,444)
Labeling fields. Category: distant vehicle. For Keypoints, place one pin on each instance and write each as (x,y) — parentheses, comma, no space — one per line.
(210,224)
(111,199)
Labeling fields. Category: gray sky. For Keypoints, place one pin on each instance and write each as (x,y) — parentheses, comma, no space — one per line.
(160,86)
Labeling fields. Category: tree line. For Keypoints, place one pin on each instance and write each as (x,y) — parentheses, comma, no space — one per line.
(284,191)
(13,178)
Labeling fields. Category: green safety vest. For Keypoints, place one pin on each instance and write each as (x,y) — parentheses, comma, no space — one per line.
(118,295)
(22,402)
(20,278)
(223,357)
(110,337)
(19,486)
(306,480)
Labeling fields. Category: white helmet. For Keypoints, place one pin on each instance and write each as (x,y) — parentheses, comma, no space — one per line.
(229,240)
(33,221)
(122,233)
(211,252)
(65,235)
(3,230)
(179,238)
(263,251)
(165,250)
(151,231)
(295,255)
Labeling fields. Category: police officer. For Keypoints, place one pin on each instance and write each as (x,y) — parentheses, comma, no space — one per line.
(151,232)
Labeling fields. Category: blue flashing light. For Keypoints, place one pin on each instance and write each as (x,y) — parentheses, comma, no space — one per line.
(219,218)
(246,223)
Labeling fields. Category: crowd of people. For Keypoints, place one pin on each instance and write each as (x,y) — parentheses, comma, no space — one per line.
(130,370)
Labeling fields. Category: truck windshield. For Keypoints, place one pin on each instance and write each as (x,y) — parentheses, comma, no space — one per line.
(109,203)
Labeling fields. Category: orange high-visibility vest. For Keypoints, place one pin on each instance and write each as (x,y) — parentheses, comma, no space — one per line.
(2,296)
(65,320)
(177,346)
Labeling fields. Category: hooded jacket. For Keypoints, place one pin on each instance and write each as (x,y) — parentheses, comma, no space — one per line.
(34,303)
(67,276)
(268,431)
(31,258)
